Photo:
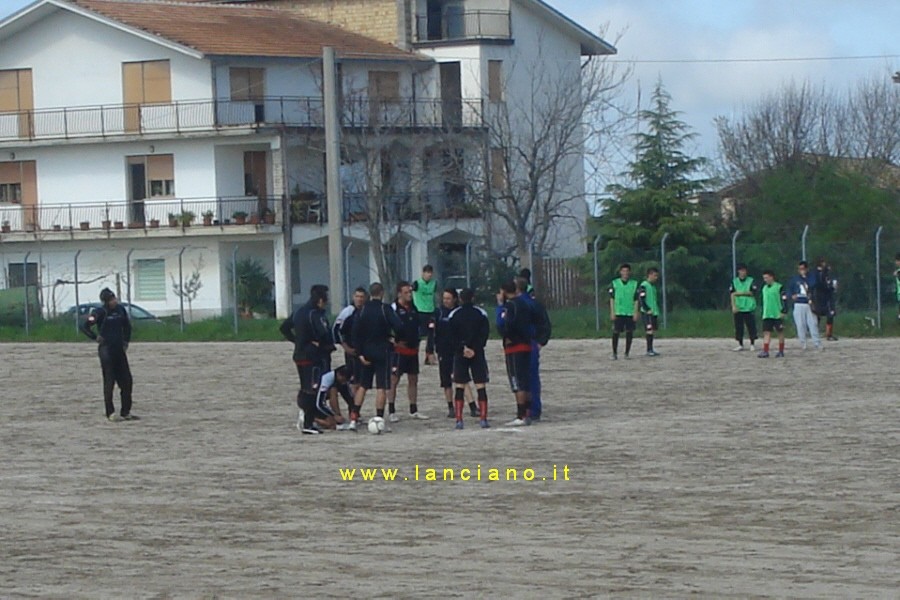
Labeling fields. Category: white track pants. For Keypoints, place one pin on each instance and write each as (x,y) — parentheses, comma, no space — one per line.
(805,319)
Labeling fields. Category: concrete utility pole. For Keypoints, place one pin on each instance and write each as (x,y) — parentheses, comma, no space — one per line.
(333,181)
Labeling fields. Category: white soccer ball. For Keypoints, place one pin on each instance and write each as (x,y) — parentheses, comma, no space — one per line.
(376,425)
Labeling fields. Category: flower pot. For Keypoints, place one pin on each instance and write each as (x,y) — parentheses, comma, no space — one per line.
(173,222)
(85,225)
(240,220)
(57,228)
(254,219)
(106,224)
(135,225)
(5,228)
(119,225)
(207,221)
(154,223)
(269,218)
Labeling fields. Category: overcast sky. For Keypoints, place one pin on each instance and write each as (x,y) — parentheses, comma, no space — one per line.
(735,29)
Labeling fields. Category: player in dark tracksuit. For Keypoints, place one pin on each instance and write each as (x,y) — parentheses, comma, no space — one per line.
(516,323)
(405,360)
(540,337)
(373,331)
(308,329)
(469,330)
(443,344)
(823,300)
(342,332)
(112,337)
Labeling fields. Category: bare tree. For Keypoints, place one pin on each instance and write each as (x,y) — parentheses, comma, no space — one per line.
(190,288)
(531,181)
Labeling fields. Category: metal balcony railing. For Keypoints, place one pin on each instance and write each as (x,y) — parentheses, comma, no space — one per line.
(210,115)
(312,208)
(454,23)
(141,214)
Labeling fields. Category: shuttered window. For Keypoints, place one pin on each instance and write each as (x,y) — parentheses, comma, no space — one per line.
(150,279)
(247,83)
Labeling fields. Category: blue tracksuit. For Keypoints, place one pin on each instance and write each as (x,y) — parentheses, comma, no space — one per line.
(535,368)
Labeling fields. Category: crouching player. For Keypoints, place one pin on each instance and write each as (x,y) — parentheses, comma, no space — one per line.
(774,310)
(469,329)
(327,410)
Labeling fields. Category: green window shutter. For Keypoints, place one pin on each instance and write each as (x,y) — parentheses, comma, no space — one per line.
(150,279)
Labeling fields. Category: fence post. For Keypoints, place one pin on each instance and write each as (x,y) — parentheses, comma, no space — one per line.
(25,281)
(734,253)
(803,242)
(128,279)
(234,286)
(469,264)
(77,302)
(349,294)
(662,264)
(596,249)
(181,287)
(878,274)
(407,258)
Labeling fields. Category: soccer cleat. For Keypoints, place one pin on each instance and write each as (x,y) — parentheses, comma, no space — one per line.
(130,417)
(779,354)
(484,424)
(652,353)
(300,416)
(394,418)
(614,356)
(740,348)
(418,415)
(113,418)
(763,354)
(451,414)
(752,347)
(459,425)
(516,423)
(310,431)
(351,426)
(831,338)
(473,411)
(342,427)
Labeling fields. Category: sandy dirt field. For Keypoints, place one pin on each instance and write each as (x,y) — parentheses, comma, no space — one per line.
(700,473)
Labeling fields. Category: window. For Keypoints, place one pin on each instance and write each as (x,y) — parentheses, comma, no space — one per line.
(495,81)
(16,275)
(159,171)
(384,86)
(150,279)
(498,170)
(147,82)
(11,193)
(247,83)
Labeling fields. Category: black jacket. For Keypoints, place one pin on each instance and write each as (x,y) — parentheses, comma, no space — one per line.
(113,326)
(409,317)
(443,340)
(373,328)
(469,327)
(516,322)
(308,325)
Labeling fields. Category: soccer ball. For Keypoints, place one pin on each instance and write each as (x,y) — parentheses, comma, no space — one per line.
(376,425)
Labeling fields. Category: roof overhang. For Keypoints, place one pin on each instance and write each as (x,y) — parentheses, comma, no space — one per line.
(591,43)
(26,17)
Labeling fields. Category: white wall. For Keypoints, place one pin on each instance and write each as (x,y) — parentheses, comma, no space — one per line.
(76,61)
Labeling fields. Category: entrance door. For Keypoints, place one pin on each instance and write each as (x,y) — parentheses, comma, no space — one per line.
(451,94)
(255,176)
(137,173)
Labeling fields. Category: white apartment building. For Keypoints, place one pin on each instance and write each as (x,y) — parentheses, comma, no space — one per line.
(135,134)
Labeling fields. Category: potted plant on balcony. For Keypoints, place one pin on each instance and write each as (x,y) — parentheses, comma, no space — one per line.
(240,217)
(173,220)
(84,225)
(269,216)
(136,225)
(57,227)
(5,227)
(187,217)
(106,224)
(119,224)
(154,223)
(254,218)
(208,218)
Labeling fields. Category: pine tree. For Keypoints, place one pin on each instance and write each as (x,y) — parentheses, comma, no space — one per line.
(657,201)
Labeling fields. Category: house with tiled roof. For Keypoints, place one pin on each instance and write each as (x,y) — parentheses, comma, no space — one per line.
(144,141)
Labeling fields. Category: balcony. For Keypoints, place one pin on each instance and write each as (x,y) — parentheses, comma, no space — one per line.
(312,208)
(166,215)
(454,24)
(199,116)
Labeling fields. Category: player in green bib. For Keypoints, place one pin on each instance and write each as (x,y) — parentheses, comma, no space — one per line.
(424,289)
(743,306)
(623,308)
(774,309)
(647,299)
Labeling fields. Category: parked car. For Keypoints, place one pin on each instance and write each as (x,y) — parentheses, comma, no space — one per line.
(137,313)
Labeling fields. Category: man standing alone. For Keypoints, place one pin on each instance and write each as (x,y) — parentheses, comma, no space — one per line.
(800,290)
